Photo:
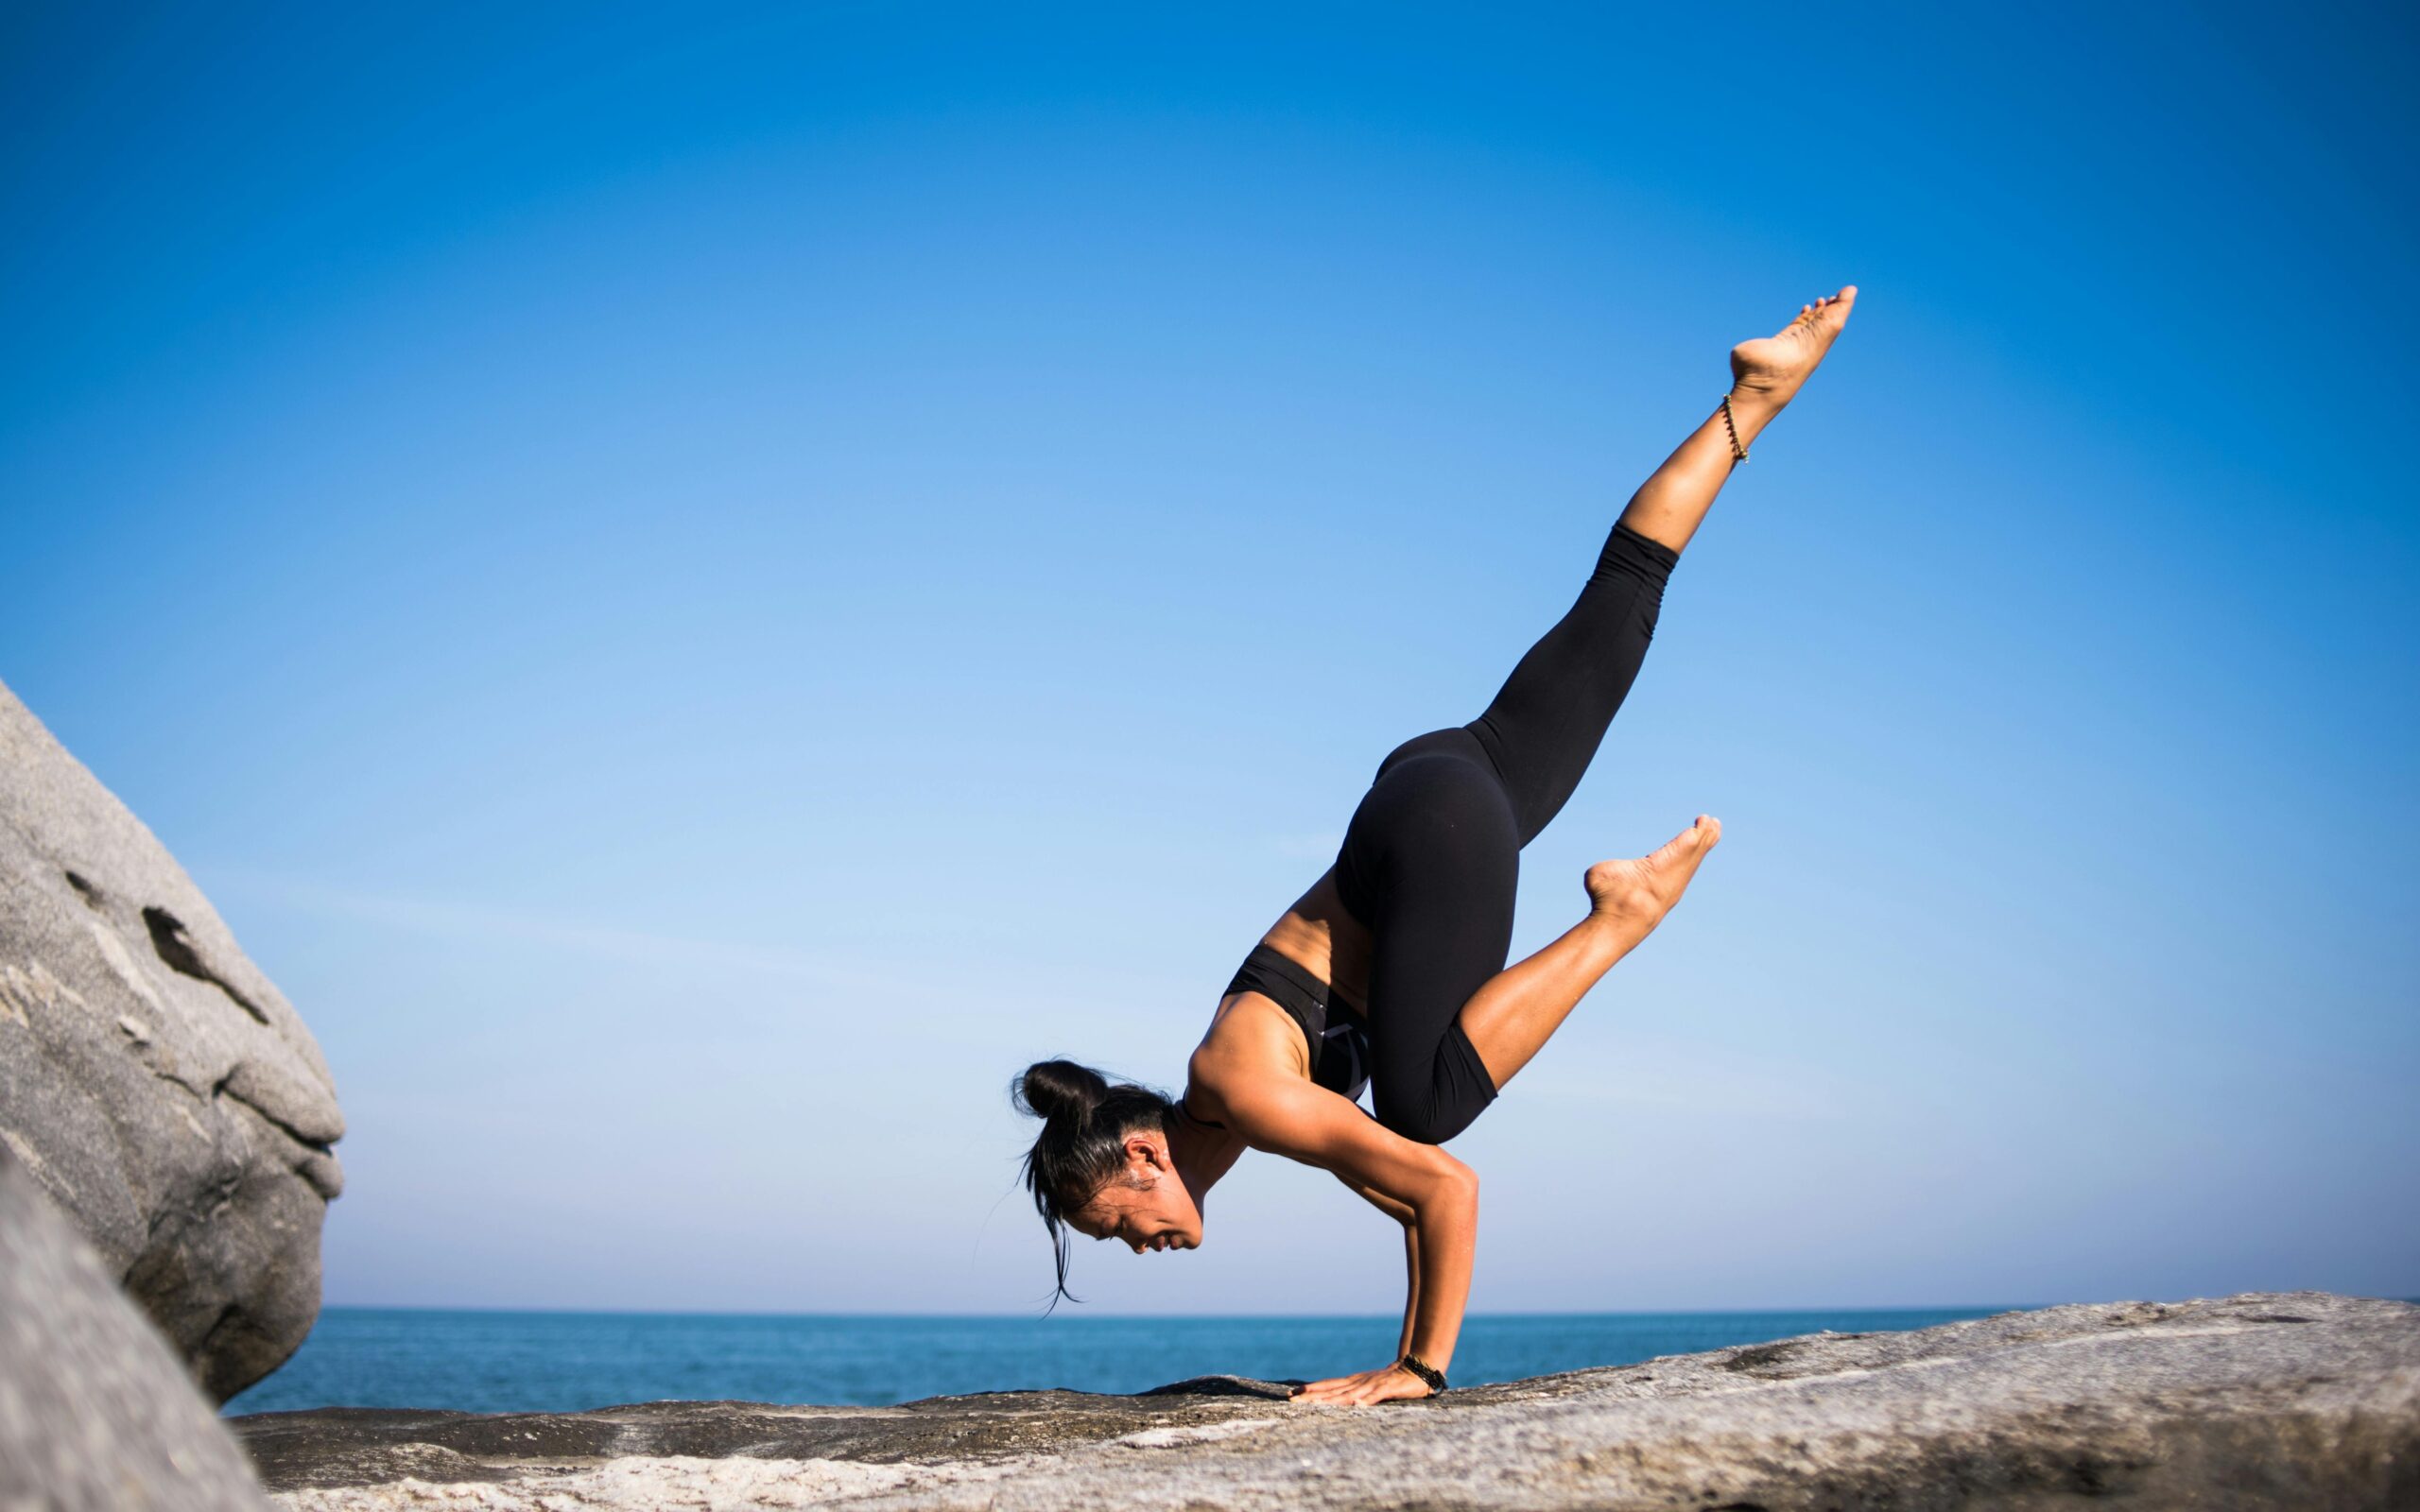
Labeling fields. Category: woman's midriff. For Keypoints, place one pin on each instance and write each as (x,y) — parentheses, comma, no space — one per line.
(1318,936)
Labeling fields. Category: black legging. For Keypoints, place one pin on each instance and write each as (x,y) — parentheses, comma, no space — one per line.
(1431,859)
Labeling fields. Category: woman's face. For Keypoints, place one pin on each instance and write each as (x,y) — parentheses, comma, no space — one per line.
(1146,1205)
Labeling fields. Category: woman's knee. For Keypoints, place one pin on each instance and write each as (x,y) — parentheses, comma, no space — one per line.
(1432,1124)
(1440,1104)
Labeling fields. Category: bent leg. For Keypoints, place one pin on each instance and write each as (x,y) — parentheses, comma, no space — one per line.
(1431,863)
(1511,1018)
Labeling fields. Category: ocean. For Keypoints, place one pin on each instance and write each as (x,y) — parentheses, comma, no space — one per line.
(570,1361)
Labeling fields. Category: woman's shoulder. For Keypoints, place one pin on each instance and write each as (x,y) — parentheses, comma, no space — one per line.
(1251,1038)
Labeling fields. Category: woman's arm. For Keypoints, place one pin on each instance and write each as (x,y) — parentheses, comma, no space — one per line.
(1314,1126)
(1404,1216)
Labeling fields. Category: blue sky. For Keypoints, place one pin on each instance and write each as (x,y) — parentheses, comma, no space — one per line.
(699,588)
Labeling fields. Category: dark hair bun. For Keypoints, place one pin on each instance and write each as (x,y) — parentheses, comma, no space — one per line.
(1052,1089)
(1081,1145)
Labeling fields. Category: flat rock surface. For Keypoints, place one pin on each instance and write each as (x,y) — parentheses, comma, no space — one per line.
(2301,1399)
(161,1090)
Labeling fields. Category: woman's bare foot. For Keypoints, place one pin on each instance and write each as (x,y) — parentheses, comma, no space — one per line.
(1637,894)
(1769,368)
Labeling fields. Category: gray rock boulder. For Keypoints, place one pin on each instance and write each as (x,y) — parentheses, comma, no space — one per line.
(2300,1400)
(152,1080)
(96,1414)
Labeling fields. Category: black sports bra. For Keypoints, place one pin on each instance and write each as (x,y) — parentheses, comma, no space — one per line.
(1340,1042)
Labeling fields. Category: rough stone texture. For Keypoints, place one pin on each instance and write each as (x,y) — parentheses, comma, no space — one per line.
(96,1414)
(153,1081)
(2300,1400)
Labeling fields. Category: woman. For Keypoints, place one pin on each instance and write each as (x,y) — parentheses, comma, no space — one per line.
(1390,972)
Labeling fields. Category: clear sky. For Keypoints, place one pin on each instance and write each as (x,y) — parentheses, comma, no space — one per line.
(700,586)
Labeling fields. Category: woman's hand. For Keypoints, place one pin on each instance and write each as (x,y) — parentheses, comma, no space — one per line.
(1384,1384)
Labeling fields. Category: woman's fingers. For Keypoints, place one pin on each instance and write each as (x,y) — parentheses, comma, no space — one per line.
(1332,1389)
(1368,1387)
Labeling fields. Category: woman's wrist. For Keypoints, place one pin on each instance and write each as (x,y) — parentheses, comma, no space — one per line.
(1439,1360)
(1448,1233)
(1431,1375)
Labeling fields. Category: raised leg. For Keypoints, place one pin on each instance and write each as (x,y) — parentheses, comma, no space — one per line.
(1543,725)
(1765,375)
